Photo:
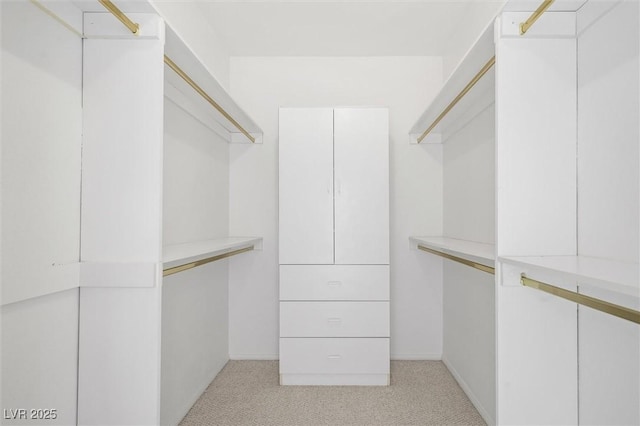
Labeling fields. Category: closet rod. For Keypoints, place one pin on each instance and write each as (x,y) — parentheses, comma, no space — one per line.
(479,266)
(464,91)
(132,26)
(191,265)
(524,27)
(592,302)
(208,98)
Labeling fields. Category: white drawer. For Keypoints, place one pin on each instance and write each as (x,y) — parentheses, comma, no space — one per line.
(334,356)
(334,282)
(334,319)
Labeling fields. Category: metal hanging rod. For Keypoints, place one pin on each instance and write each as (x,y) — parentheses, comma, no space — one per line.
(592,302)
(479,266)
(191,265)
(461,95)
(208,98)
(132,26)
(524,27)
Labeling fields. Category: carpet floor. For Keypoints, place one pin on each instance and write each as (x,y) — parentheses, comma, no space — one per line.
(248,393)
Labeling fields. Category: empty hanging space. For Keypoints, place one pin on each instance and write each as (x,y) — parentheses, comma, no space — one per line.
(462,118)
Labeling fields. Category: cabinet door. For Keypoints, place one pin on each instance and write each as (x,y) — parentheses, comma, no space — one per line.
(361,161)
(306,185)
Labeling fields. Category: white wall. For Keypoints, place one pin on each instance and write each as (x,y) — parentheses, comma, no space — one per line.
(195,302)
(404,84)
(41,140)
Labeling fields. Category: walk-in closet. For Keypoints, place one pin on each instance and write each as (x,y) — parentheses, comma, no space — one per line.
(320,213)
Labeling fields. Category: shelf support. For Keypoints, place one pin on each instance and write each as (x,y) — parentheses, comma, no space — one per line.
(475,265)
(460,95)
(524,26)
(592,302)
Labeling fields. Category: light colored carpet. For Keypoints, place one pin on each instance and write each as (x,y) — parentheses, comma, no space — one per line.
(248,393)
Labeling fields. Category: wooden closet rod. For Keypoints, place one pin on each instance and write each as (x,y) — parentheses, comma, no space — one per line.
(524,27)
(592,302)
(479,266)
(134,28)
(460,95)
(186,266)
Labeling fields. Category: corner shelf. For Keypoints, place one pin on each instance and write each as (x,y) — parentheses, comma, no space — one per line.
(475,101)
(606,279)
(180,254)
(472,251)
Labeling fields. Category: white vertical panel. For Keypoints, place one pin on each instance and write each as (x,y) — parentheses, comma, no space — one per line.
(195,336)
(608,134)
(122,150)
(608,197)
(609,360)
(537,356)
(119,365)
(41,143)
(119,339)
(536,146)
(361,152)
(40,356)
(306,185)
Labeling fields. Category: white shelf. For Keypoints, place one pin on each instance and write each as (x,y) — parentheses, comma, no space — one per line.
(476,100)
(180,254)
(470,250)
(610,280)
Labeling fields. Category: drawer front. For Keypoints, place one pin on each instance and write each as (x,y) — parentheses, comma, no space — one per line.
(334,282)
(334,356)
(334,319)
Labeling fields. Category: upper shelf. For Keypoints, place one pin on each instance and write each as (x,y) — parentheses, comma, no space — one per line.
(469,250)
(480,96)
(177,89)
(180,254)
(610,280)
(183,94)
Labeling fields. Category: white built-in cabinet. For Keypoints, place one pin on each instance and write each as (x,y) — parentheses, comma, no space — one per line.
(334,246)
(129,179)
(560,108)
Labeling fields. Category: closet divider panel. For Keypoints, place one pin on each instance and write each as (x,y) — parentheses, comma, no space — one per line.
(608,198)
(536,215)
(361,186)
(306,186)
(119,338)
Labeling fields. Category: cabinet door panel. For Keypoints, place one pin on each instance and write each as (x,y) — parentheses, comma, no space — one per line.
(306,185)
(361,161)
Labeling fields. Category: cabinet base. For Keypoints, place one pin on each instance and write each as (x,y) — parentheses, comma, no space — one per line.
(335,379)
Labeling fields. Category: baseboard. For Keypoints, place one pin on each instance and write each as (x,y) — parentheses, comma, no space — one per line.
(467,390)
(416,357)
(254,357)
